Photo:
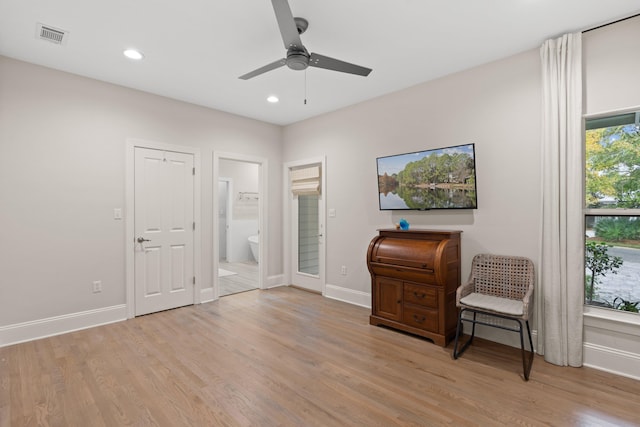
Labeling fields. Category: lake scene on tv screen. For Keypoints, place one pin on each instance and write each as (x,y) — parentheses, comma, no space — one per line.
(443,178)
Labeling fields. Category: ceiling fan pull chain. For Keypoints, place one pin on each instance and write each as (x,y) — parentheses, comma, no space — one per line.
(305,87)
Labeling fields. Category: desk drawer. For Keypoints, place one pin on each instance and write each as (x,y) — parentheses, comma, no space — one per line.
(422,318)
(404,273)
(421,295)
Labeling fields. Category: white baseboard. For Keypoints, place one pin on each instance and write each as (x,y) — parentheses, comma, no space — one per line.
(36,329)
(363,299)
(275,281)
(611,341)
(612,360)
(206,295)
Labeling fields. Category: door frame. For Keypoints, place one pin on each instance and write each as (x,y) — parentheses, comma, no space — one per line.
(263,174)
(288,246)
(229,182)
(129,216)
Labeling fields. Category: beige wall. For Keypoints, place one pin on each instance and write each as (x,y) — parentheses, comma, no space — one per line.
(496,106)
(62,166)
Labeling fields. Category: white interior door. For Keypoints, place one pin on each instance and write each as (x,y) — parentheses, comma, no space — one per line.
(307,233)
(164,230)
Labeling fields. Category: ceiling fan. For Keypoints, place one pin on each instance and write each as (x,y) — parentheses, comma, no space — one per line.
(298,57)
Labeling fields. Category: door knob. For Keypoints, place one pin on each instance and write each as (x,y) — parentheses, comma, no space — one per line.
(142,240)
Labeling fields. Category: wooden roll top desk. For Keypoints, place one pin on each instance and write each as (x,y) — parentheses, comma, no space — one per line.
(414,277)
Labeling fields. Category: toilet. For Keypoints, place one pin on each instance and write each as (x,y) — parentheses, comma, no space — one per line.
(254,246)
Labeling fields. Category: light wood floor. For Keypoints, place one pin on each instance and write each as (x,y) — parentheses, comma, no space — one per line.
(246,278)
(290,358)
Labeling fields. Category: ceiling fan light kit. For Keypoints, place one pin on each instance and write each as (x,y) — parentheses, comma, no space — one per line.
(298,57)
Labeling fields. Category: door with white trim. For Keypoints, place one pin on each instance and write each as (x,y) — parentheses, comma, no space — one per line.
(164,230)
(307,227)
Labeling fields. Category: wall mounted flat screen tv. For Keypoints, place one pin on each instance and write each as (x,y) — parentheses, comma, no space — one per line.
(442,178)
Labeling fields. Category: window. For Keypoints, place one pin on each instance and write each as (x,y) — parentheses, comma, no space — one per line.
(308,234)
(612,212)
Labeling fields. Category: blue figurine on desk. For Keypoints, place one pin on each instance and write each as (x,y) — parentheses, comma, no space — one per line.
(404,224)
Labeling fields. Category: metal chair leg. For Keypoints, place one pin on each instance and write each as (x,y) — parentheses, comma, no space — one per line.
(526,367)
(459,330)
(473,327)
(531,353)
(527,362)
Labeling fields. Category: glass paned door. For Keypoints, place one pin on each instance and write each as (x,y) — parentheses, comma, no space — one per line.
(308,234)
(306,225)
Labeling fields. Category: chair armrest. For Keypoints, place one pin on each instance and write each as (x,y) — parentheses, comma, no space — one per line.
(527,304)
(464,290)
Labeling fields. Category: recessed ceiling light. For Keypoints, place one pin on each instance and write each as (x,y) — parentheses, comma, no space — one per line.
(133,54)
(273,99)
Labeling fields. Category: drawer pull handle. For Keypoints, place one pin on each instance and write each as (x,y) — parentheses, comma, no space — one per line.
(419,319)
(419,295)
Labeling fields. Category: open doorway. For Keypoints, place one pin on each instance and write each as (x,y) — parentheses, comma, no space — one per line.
(239,193)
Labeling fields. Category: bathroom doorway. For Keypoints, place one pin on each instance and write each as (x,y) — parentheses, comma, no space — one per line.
(239,191)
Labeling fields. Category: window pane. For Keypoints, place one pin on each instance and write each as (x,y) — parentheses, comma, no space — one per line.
(612,262)
(308,234)
(612,168)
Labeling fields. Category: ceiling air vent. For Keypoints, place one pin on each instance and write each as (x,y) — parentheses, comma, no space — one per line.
(51,34)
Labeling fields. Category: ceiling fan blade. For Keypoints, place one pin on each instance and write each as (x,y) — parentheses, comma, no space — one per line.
(287,25)
(321,61)
(276,64)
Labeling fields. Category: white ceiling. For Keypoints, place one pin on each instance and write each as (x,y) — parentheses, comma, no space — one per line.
(196,49)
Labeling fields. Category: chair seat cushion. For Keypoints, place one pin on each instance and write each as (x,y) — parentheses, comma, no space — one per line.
(506,306)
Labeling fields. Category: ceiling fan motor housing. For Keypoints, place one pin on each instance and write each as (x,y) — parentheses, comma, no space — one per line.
(297,59)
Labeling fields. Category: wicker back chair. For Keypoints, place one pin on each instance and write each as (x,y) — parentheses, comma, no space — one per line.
(501,286)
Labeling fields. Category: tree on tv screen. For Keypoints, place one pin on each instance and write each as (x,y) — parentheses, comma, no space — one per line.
(436,169)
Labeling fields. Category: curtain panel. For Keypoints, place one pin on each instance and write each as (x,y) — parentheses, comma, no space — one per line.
(560,293)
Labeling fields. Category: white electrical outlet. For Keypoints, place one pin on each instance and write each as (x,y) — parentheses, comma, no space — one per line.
(97,286)
(343,270)
(117,213)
